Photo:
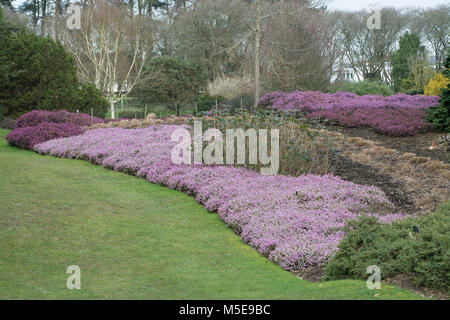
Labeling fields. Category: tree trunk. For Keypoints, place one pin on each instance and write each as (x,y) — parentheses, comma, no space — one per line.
(44,14)
(57,15)
(112,109)
(257,52)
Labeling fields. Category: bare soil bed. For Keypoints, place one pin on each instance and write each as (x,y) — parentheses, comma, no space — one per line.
(418,144)
(364,174)
(414,178)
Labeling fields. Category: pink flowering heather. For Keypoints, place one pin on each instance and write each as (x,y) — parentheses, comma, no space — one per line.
(36,117)
(27,137)
(295,221)
(396,115)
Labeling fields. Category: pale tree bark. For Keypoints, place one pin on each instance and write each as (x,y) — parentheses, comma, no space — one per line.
(110,50)
(56,19)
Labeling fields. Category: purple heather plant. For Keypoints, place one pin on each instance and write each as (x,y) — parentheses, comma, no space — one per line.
(295,221)
(36,117)
(396,115)
(27,137)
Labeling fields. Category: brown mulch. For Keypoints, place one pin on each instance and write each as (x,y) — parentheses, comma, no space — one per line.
(312,274)
(418,144)
(413,183)
(367,175)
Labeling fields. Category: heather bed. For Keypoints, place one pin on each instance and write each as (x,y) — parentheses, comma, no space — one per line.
(396,115)
(295,221)
(39,126)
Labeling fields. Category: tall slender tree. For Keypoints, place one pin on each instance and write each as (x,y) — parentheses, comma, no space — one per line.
(410,47)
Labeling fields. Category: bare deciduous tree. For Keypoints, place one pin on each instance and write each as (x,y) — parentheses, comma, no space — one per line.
(111,49)
(434,26)
(368,50)
(299,50)
(210,34)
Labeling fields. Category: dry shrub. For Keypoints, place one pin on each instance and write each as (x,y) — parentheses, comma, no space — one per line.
(386,167)
(445,174)
(373,151)
(134,124)
(377,150)
(231,87)
(148,122)
(434,165)
(389,152)
(411,182)
(334,134)
(181,120)
(418,160)
(347,154)
(427,203)
(360,142)
(361,158)
(407,156)
(406,168)
(302,150)
(151,122)
(151,116)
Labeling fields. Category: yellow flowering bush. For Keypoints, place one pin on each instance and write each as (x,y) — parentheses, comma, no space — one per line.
(438,82)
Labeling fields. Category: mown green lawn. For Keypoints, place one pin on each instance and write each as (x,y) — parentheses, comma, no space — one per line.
(131,239)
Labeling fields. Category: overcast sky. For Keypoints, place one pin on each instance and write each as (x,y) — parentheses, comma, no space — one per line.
(364,4)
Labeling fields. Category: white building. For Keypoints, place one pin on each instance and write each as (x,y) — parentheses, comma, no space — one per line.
(345,72)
